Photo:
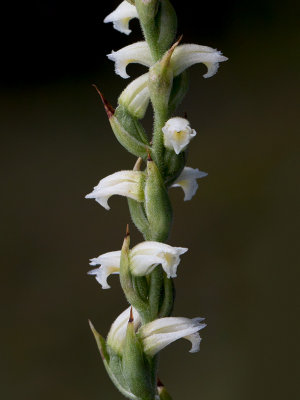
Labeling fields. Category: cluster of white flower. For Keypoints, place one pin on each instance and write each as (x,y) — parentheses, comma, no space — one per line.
(148,192)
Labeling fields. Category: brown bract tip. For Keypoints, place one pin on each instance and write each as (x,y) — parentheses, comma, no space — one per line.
(149,158)
(159,383)
(108,107)
(127,230)
(131,316)
(176,44)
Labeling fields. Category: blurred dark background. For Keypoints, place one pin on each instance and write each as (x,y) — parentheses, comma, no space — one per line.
(241,228)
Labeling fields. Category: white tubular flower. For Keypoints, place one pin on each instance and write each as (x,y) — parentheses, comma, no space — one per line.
(186,55)
(160,333)
(183,57)
(145,256)
(136,96)
(121,17)
(134,53)
(123,183)
(109,264)
(177,134)
(117,334)
(188,181)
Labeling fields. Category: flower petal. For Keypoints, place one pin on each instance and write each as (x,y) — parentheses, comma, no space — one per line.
(117,334)
(123,183)
(160,333)
(188,181)
(121,16)
(134,53)
(109,264)
(186,55)
(136,97)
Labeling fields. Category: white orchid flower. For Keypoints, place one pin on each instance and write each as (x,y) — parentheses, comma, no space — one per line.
(187,180)
(134,53)
(160,333)
(144,257)
(121,16)
(183,57)
(157,334)
(177,134)
(123,183)
(117,334)
(110,264)
(136,96)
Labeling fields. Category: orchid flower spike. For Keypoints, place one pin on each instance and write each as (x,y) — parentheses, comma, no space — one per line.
(121,16)
(117,334)
(158,334)
(178,134)
(183,57)
(123,183)
(187,180)
(144,257)
(110,264)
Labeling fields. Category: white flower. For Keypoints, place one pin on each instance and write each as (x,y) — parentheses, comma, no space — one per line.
(121,16)
(123,183)
(188,181)
(186,55)
(178,134)
(156,334)
(145,256)
(117,334)
(109,264)
(182,58)
(134,53)
(160,333)
(136,96)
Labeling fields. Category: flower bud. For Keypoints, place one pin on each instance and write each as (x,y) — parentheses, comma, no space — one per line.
(121,16)
(178,134)
(157,204)
(135,98)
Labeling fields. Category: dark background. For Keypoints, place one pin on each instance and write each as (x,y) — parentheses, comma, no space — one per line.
(241,228)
